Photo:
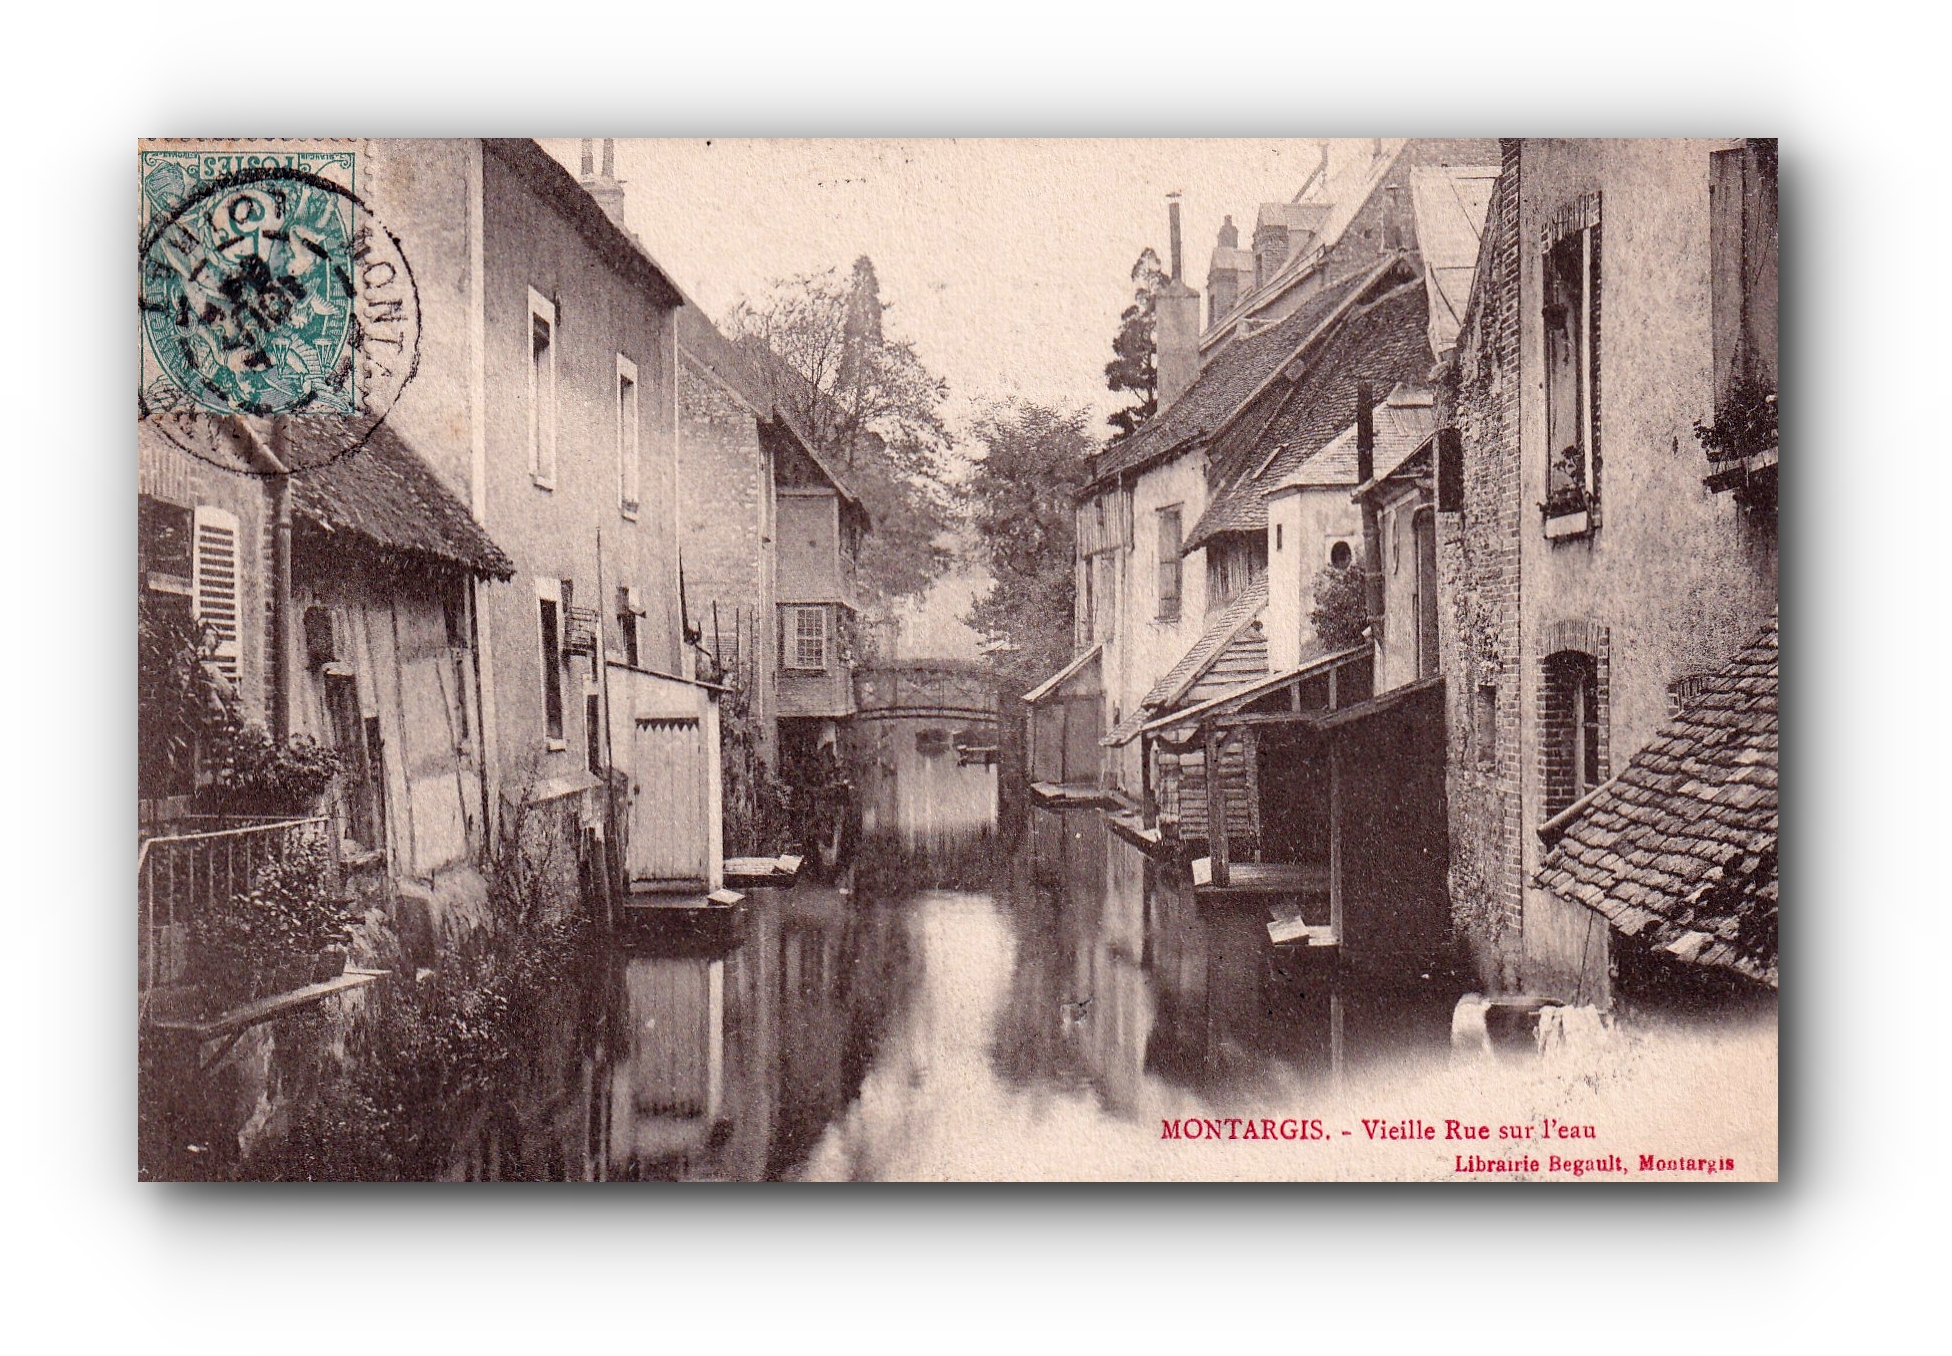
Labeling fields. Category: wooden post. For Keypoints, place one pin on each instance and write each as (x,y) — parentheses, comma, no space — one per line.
(1251,747)
(1216,808)
(1335,839)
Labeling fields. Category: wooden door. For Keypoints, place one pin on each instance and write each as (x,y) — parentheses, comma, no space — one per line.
(670,831)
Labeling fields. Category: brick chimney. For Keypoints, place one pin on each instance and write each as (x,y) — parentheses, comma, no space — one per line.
(1176,322)
(606,188)
(1231,274)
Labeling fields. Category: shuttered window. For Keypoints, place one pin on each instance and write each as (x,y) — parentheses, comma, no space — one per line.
(216,599)
(1169,563)
(1742,245)
(1572,360)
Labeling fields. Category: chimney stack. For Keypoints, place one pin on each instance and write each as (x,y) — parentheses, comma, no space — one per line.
(1365,432)
(606,188)
(1372,542)
(1176,322)
(1172,213)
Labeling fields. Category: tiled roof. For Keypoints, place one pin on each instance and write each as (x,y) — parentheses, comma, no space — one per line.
(1229,642)
(1404,420)
(1679,851)
(1385,343)
(709,350)
(383,492)
(1234,618)
(1224,384)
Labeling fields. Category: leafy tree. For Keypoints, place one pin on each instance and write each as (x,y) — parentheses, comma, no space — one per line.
(1341,611)
(1135,358)
(869,407)
(1023,509)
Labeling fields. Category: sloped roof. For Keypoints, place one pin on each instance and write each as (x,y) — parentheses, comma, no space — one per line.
(1230,643)
(1679,850)
(1063,675)
(1233,619)
(1405,419)
(1385,343)
(383,493)
(1345,199)
(708,348)
(1227,381)
(1450,202)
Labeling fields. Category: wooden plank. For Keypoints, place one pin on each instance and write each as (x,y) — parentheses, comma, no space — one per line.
(264,1009)
(1216,828)
(1284,930)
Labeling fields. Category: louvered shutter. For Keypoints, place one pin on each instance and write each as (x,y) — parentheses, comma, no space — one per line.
(217,589)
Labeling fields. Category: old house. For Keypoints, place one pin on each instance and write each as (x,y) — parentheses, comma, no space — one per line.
(1200,535)
(1599,561)
(204,528)
(385,668)
(1281,466)
(768,591)
(336,604)
(548,399)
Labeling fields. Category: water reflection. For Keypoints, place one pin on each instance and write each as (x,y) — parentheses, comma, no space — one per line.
(901,1031)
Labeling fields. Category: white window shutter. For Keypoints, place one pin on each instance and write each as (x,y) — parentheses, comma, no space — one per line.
(217,590)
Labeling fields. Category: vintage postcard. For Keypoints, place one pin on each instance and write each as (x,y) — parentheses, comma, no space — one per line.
(957,660)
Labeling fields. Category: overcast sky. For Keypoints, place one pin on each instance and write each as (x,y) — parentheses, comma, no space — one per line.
(1005,262)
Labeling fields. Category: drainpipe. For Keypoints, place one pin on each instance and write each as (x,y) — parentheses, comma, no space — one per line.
(1372,546)
(270,461)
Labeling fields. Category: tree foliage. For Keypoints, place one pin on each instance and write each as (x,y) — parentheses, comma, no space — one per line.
(1023,509)
(868,405)
(1341,611)
(1134,367)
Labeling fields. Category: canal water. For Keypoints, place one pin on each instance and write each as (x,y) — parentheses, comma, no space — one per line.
(967,1009)
(968,1003)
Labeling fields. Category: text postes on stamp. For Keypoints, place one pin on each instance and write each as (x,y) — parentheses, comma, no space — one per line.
(268,291)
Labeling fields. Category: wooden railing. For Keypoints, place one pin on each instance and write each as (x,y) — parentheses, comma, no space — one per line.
(180,874)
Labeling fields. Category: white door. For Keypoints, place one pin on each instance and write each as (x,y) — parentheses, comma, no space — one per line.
(669,827)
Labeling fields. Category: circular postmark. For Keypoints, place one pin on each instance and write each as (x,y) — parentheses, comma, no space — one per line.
(268,290)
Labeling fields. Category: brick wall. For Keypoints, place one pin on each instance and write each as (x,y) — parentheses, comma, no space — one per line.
(1478,573)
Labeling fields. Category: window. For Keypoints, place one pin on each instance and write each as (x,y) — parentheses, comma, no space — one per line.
(542,390)
(1169,565)
(1105,566)
(1450,471)
(1423,526)
(628,611)
(593,730)
(1340,556)
(1575,760)
(362,791)
(1484,725)
(1277,536)
(549,602)
(1742,250)
(216,588)
(1572,350)
(806,638)
(627,425)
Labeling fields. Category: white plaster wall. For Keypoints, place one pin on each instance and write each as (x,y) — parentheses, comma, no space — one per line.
(1312,519)
(1679,576)
(1145,647)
